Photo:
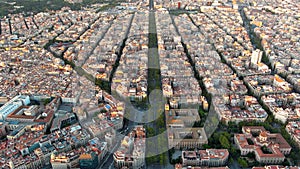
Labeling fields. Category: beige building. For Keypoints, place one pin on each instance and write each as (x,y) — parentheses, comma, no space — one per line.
(181,133)
(186,138)
(269,148)
(208,157)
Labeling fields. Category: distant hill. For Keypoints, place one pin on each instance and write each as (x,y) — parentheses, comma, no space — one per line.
(35,6)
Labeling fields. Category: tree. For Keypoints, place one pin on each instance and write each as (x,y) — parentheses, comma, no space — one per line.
(46,101)
(161,130)
(233,152)
(227,135)
(231,160)
(202,113)
(103,111)
(161,122)
(150,132)
(214,140)
(176,161)
(162,158)
(266,150)
(224,142)
(242,162)
(152,158)
(251,155)
(232,127)
(206,146)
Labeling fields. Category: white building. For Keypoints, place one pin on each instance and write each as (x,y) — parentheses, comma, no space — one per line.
(13,105)
(256,57)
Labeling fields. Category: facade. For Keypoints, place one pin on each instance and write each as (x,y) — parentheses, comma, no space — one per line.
(181,133)
(208,157)
(293,128)
(238,108)
(285,107)
(62,120)
(180,166)
(256,57)
(88,161)
(100,148)
(277,167)
(131,153)
(61,162)
(2,129)
(186,137)
(269,148)
(110,138)
(13,105)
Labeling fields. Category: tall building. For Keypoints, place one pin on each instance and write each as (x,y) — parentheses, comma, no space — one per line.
(256,57)
(110,138)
